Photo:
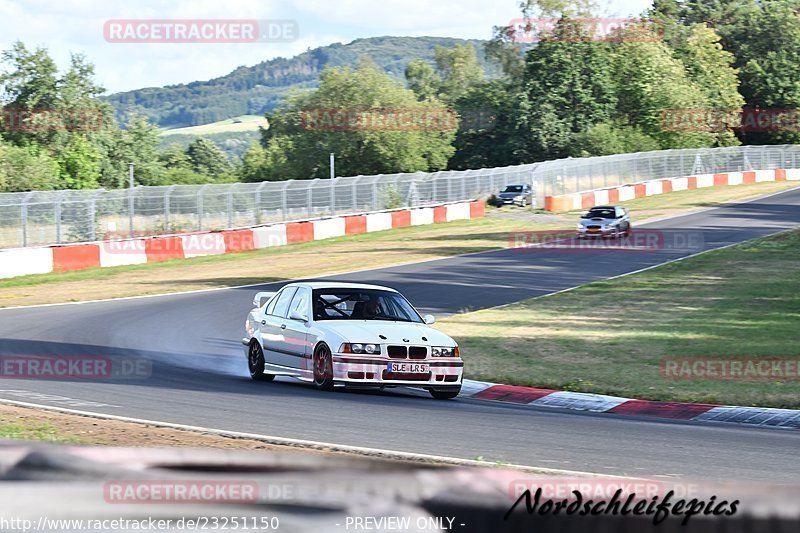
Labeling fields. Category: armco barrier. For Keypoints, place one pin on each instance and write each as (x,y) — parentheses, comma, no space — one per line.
(605,196)
(24,261)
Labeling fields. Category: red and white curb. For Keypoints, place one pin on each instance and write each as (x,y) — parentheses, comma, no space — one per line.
(601,403)
(119,252)
(631,191)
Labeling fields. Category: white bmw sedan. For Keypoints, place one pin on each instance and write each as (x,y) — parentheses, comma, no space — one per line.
(350,334)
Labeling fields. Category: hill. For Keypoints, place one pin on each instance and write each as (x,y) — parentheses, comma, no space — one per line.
(257,89)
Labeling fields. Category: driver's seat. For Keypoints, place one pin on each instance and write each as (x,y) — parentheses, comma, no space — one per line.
(358,310)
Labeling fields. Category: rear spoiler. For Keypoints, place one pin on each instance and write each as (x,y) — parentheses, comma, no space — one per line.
(261,297)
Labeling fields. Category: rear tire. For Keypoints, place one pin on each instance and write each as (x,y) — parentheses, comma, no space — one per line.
(255,363)
(445,394)
(323,368)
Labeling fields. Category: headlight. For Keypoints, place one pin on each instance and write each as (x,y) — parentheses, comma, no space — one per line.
(520,197)
(357,347)
(445,351)
(579,226)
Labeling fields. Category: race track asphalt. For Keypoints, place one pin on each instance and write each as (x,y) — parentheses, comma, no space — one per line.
(199,372)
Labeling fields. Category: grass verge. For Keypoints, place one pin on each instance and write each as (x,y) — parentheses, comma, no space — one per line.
(26,423)
(610,336)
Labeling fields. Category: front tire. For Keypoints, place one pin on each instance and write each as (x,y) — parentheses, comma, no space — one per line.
(445,394)
(255,363)
(323,368)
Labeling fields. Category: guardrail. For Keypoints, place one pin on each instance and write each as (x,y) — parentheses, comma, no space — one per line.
(56,217)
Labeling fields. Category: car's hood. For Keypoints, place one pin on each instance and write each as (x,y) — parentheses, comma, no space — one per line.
(596,221)
(369,331)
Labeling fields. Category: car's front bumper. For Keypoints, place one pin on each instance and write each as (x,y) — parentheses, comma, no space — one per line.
(585,232)
(350,369)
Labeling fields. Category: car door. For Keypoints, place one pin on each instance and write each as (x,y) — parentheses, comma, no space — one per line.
(294,346)
(271,332)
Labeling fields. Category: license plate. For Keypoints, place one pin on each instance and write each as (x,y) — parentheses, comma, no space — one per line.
(594,231)
(409,368)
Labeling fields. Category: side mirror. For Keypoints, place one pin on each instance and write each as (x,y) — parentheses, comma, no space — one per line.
(261,297)
(297,315)
(429,319)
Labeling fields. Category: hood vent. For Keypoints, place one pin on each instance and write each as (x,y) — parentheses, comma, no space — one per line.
(382,337)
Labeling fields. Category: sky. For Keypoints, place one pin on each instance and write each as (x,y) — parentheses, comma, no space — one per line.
(66,27)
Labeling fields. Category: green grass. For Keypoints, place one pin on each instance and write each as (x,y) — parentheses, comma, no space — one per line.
(34,431)
(609,337)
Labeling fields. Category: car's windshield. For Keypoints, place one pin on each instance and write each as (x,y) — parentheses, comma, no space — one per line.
(362,304)
(513,188)
(600,213)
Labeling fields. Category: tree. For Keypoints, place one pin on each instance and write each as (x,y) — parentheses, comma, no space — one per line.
(568,86)
(652,84)
(710,67)
(558,8)
(502,49)
(422,80)
(174,156)
(770,66)
(79,164)
(32,81)
(608,139)
(486,134)
(459,70)
(207,158)
(358,115)
(27,168)
(137,144)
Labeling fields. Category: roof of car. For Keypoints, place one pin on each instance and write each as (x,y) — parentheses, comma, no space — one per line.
(606,207)
(339,285)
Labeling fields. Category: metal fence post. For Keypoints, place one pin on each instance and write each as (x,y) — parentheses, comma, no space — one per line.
(284,202)
(24,219)
(93,217)
(167,207)
(375,195)
(333,196)
(310,199)
(200,207)
(230,205)
(58,221)
(257,206)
